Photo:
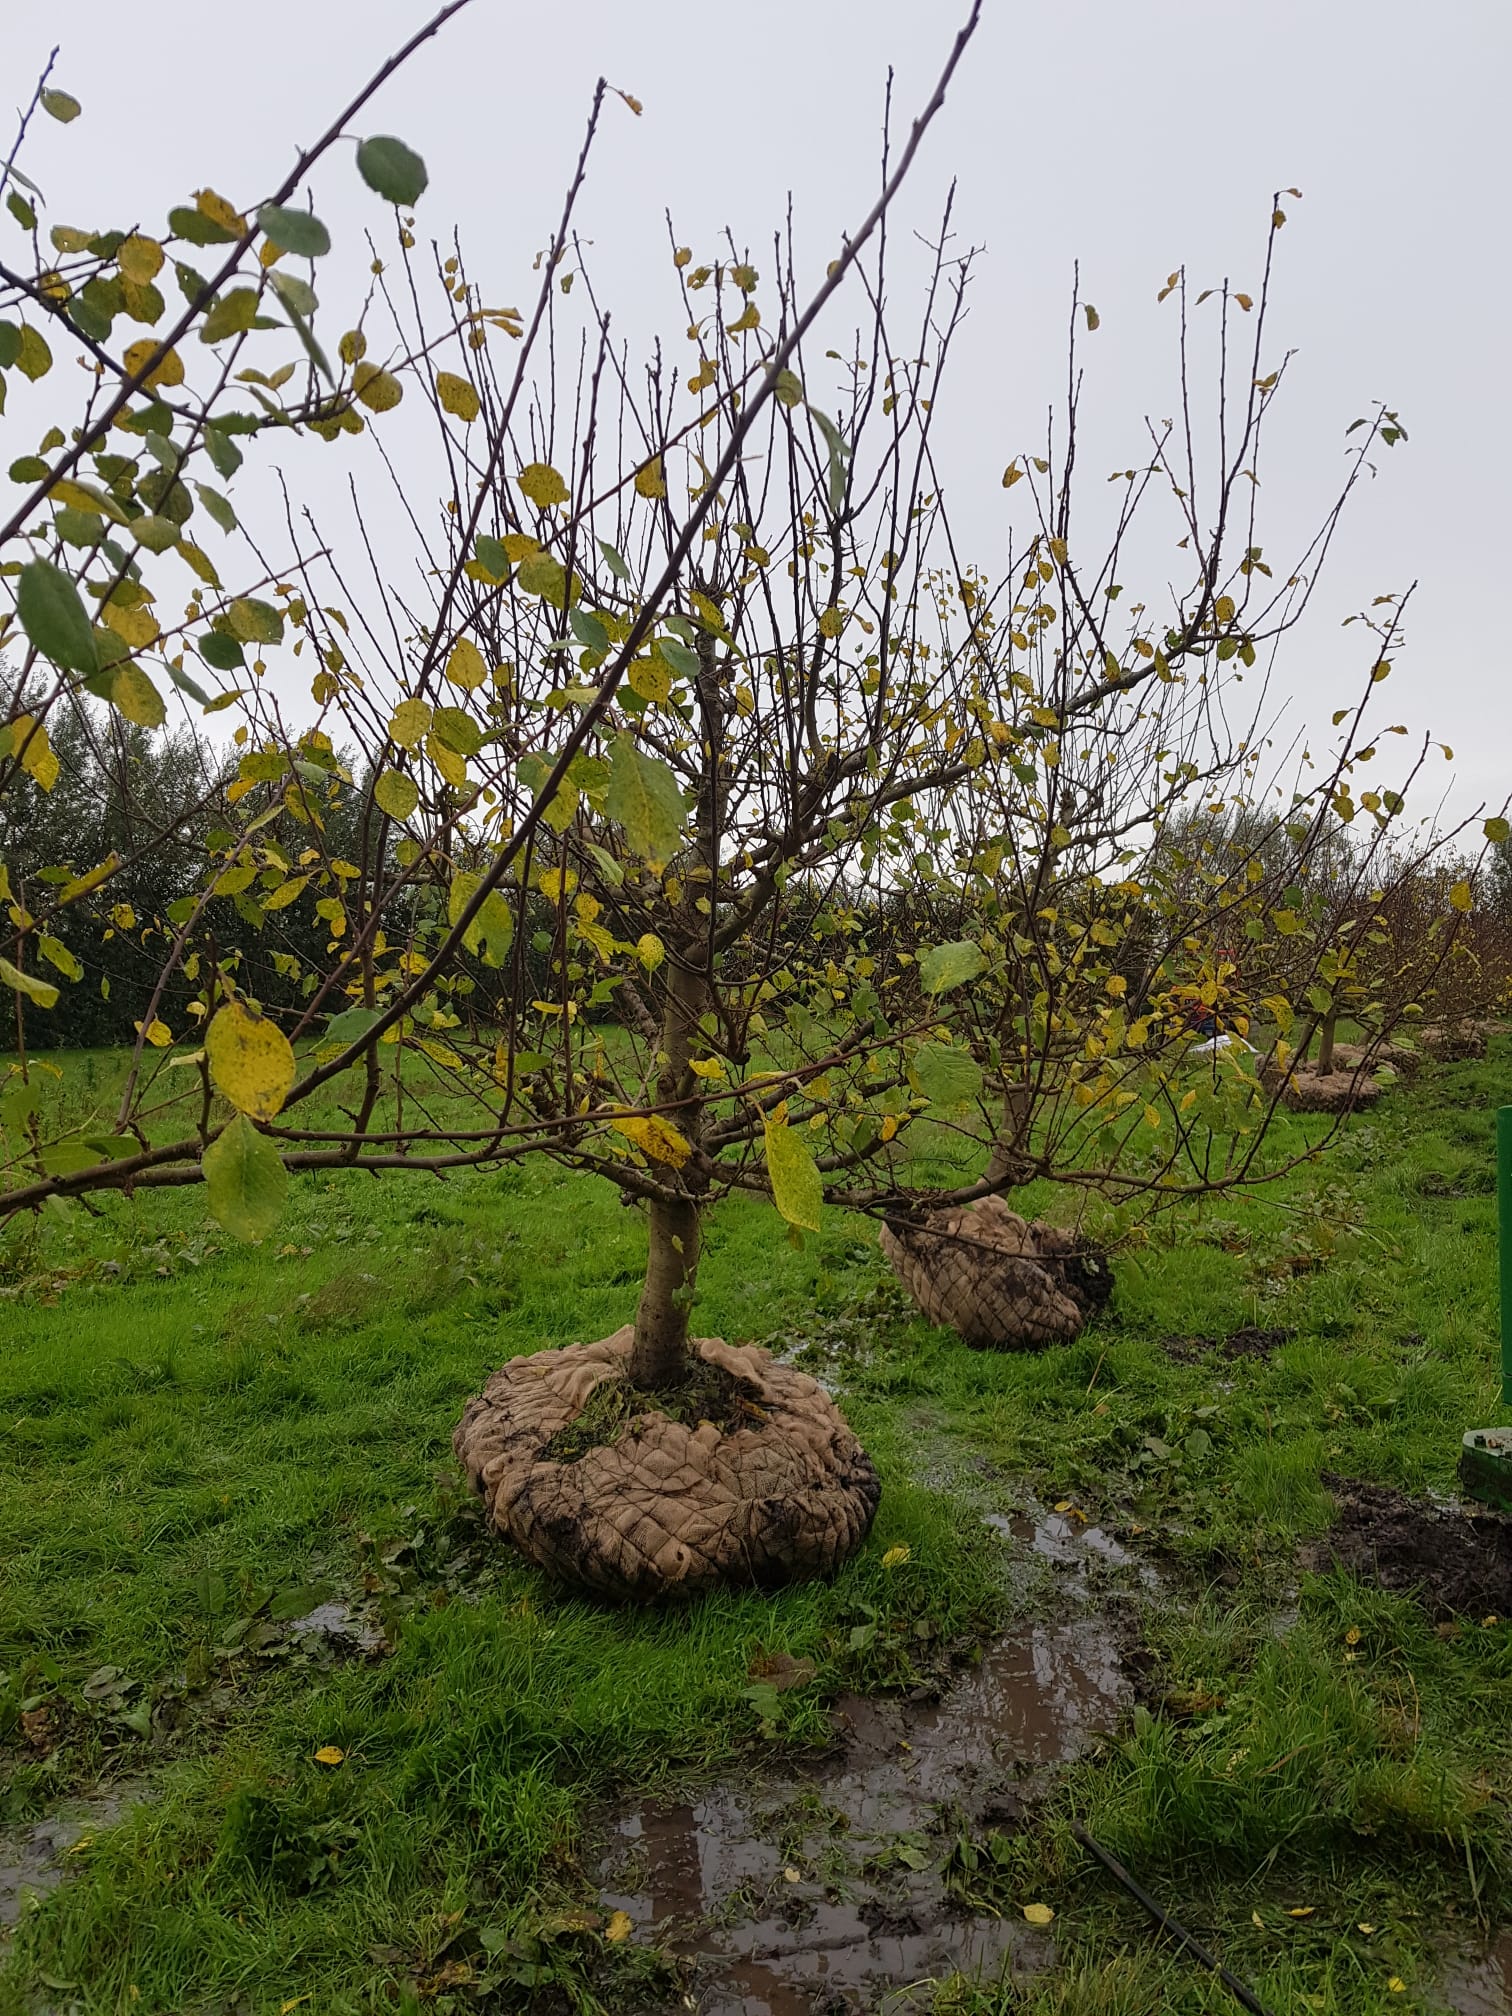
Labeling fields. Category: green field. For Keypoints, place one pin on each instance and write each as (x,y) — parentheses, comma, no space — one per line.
(199,1441)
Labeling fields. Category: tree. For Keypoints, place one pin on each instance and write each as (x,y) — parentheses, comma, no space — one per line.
(698,818)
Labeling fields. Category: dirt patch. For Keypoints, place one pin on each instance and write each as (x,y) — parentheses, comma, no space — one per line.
(1455,1562)
(856,1884)
(709,1394)
(1248,1342)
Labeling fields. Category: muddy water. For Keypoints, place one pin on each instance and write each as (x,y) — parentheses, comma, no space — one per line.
(827,1891)
(1481,1985)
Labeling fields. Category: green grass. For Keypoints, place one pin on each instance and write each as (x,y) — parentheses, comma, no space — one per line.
(190,1430)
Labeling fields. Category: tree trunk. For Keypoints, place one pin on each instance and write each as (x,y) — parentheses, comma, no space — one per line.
(1006,1164)
(659,1356)
(1326,1045)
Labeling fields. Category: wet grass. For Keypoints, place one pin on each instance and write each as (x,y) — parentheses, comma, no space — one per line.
(195,1438)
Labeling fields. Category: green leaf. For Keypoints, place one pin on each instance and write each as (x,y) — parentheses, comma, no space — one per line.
(643,797)
(685,663)
(613,561)
(491,932)
(54,617)
(42,992)
(457,730)
(350,1024)
(10,345)
(493,556)
(396,794)
(395,171)
(218,506)
(246,1180)
(256,622)
(232,313)
(788,389)
(185,684)
(797,1188)
(294,231)
(223,653)
(947,966)
(62,106)
(588,630)
(187,221)
(947,1077)
(1497,831)
(839,454)
(223,451)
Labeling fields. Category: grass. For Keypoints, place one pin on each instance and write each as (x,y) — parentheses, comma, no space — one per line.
(197,1437)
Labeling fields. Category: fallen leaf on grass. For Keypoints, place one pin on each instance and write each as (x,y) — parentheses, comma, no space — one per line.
(285,2007)
(1366,1929)
(1302,1911)
(896,1556)
(329,1754)
(1038,1914)
(1257,1921)
(1397,1985)
(792,1875)
(1352,1635)
(620,1926)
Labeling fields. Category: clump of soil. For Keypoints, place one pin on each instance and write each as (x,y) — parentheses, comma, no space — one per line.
(1250,1341)
(1455,1562)
(709,1393)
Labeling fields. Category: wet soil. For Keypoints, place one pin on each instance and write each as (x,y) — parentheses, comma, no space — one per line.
(1456,1562)
(1247,1342)
(857,1882)
(1480,1984)
(35,1860)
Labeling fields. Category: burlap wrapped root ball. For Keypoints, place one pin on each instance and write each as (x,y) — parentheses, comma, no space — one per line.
(1309,1090)
(1002,1283)
(664,1508)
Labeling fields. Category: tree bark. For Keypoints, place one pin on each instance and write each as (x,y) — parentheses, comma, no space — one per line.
(659,1355)
(1326,1045)
(1006,1165)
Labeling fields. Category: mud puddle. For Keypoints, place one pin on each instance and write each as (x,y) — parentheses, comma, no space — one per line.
(1067,1540)
(856,1884)
(1480,1984)
(35,1860)
(1456,1562)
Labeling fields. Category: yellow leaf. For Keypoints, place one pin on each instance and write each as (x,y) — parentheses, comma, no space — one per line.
(293,2003)
(655,1137)
(889,1126)
(457,395)
(520,546)
(251,1059)
(650,951)
(707,1067)
(1224,609)
(168,371)
(1352,1635)
(285,894)
(134,696)
(1302,1911)
(1460,896)
(651,679)
(831,622)
(620,1926)
(1038,1914)
(326,1754)
(38,758)
(896,1556)
(543,485)
(378,390)
(408,723)
(1397,1985)
(466,667)
(1011,475)
(650,481)
(140,259)
(452,766)
(219,211)
(158,1034)
(136,627)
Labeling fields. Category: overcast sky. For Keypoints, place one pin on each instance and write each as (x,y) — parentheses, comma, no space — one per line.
(1131,135)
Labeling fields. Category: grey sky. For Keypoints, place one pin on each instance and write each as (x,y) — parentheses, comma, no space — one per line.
(1129,134)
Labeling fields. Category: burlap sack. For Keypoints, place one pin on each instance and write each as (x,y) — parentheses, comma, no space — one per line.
(1003,1283)
(668,1509)
(1309,1090)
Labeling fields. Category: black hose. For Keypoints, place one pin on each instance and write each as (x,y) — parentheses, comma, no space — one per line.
(1163,1919)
